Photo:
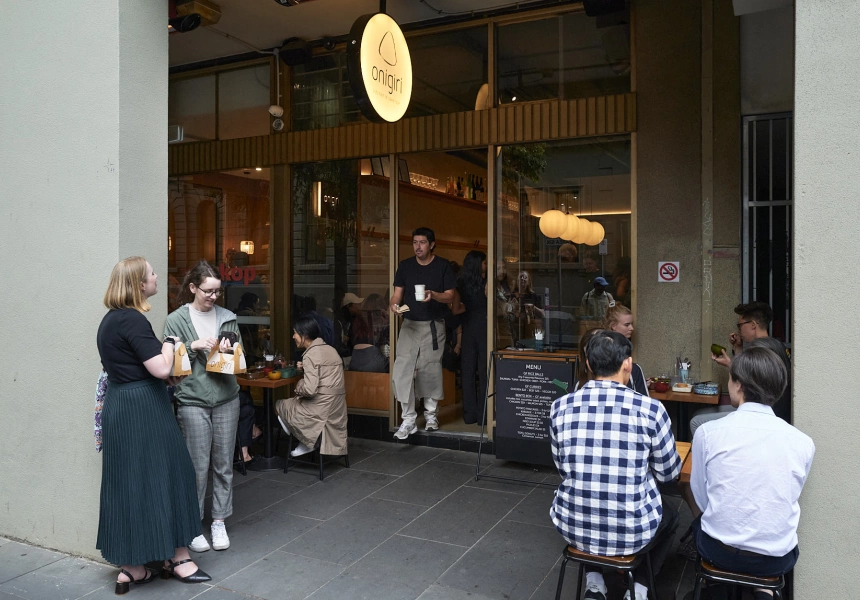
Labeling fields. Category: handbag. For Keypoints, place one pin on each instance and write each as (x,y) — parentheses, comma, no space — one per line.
(101,391)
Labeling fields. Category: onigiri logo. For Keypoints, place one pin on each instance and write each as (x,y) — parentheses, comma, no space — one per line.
(380,68)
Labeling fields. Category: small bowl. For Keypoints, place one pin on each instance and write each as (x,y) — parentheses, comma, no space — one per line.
(661,387)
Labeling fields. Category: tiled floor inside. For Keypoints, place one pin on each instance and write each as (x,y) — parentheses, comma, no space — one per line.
(403,522)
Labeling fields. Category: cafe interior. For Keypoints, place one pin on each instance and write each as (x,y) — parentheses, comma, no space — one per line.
(524,140)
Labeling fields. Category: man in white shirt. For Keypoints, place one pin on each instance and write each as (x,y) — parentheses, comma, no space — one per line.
(748,471)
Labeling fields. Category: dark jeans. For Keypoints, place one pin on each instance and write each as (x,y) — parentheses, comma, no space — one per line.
(473,362)
(659,545)
(246,418)
(738,561)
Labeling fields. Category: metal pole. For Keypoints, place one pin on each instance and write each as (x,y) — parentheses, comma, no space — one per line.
(382,6)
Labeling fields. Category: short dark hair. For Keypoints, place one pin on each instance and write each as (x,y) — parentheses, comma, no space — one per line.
(426,232)
(761,374)
(759,312)
(606,352)
(307,327)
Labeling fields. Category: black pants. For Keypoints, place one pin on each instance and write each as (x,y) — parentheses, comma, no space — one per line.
(659,545)
(246,418)
(473,362)
(737,561)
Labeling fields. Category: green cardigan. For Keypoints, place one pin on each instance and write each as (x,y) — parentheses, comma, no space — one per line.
(202,388)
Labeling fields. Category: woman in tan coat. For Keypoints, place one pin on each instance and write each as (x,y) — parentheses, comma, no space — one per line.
(319,405)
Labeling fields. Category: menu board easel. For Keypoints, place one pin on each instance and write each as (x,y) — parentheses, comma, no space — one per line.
(526,384)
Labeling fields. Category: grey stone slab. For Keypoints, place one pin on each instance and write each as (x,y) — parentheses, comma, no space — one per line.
(511,561)
(440,592)
(546,590)
(283,576)
(327,498)
(355,532)
(155,590)
(4,541)
(534,508)
(399,569)
(18,559)
(399,459)
(368,445)
(257,494)
(250,540)
(357,455)
(466,458)
(529,475)
(463,517)
(428,484)
(217,593)
(64,579)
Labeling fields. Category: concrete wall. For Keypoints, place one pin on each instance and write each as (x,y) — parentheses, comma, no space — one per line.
(767,61)
(669,190)
(827,177)
(83,181)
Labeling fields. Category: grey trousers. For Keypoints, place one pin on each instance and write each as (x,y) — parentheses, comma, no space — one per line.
(417,368)
(712,413)
(210,434)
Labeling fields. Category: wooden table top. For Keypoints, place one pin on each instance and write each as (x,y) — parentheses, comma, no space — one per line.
(686,460)
(671,396)
(265,382)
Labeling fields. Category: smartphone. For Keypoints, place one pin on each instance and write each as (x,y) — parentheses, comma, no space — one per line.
(229,336)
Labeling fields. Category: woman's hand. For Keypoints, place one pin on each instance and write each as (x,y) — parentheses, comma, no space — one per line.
(204,344)
(299,365)
(225,345)
(457,349)
(171,380)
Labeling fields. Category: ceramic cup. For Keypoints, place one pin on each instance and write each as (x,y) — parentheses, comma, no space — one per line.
(419,292)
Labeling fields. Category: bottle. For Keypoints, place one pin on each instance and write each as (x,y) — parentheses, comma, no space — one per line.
(449,188)
(468,186)
(459,188)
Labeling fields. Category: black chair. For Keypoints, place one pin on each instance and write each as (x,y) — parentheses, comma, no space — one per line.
(707,572)
(316,457)
(240,462)
(626,564)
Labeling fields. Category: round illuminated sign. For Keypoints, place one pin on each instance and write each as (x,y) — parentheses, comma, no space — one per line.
(380,68)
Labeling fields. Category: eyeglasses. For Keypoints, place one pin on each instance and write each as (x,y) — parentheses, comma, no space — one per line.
(742,323)
(211,293)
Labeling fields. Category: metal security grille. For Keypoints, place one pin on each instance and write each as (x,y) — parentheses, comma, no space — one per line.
(767,216)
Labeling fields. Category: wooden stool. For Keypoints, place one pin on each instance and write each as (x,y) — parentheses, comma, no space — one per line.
(708,572)
(626,564)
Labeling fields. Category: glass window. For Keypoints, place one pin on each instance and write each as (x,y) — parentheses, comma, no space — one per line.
(223,218)
(569,56)
(545,282)
(243,102)
(321,95)
(191,106)
(455,87)
(340,266)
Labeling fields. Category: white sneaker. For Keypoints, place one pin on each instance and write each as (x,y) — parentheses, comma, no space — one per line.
(199,544)
(301,449)
(406,429)
(638,596)
(220,541)
(432,423)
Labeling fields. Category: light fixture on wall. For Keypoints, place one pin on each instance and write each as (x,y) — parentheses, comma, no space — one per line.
(553,223)
(316,198)
(246,246)
(169,243)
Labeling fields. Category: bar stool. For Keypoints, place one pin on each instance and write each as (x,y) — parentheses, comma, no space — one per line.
(627,564)
(707,572)
(321,461)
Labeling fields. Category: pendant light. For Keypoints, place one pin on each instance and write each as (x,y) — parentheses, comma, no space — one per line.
(596,234)
(553,223)
(573,227)
(584,233)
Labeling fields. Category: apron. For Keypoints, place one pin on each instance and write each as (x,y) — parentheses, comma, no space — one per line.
(418,363)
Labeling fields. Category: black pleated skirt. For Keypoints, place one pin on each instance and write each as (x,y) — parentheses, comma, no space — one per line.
(148,495)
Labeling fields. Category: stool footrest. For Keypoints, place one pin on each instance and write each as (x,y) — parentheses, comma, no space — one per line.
(710,571)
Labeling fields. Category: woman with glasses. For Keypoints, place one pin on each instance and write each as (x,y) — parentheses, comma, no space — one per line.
(208,403)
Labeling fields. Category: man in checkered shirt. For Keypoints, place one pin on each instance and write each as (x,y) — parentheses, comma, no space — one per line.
(612,446)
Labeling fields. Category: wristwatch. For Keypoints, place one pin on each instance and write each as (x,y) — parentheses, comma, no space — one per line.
(169,340)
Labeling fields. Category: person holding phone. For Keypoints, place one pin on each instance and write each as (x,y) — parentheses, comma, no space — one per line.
(208,403)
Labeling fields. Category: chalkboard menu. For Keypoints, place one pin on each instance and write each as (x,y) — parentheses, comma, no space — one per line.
(525,390)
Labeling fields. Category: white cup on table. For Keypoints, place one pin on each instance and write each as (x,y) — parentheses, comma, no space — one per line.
(419,292)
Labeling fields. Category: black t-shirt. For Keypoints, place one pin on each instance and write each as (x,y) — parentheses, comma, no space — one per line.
(125,341)
(436,277)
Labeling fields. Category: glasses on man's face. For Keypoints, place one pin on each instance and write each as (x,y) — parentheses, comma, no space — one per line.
(742,323)
(211,293)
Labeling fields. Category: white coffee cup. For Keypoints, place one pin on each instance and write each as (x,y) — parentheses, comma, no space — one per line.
(419,292)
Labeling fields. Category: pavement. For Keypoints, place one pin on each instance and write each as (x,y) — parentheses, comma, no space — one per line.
(404,522)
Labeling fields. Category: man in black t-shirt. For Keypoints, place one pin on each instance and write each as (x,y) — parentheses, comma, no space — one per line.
(417,368)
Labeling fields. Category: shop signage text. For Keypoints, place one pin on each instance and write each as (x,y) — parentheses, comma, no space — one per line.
(244,274)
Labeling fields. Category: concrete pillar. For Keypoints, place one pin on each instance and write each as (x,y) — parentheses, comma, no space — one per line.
(83,181)
(826,289)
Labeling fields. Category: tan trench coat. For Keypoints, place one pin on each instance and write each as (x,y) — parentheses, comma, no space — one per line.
(319,405)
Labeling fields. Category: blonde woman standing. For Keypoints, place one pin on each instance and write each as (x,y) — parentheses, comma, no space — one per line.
(619,318)
(148,508)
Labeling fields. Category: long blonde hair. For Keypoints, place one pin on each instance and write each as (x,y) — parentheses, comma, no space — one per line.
(614,313)
(124,289)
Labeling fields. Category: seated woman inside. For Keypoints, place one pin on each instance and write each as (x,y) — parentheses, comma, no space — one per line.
(370,337)
(317,412)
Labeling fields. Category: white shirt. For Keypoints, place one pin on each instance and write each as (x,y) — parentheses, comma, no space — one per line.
(748,471)
(205,323)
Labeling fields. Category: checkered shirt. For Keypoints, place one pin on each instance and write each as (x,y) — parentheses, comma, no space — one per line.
(610,444)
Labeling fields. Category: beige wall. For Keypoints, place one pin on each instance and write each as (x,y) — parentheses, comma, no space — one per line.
(767,64)
(83,180)
(826,213)
(669,189)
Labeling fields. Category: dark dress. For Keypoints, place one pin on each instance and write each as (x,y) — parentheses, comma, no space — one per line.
(148,494)
(473,356)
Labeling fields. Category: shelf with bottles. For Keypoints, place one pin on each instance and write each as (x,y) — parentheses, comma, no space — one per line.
(430,194)
(468,187)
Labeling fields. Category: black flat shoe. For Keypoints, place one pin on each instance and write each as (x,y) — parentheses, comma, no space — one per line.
(123,586)
(197,576)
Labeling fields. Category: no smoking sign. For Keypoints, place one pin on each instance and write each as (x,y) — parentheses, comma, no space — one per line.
(668,272)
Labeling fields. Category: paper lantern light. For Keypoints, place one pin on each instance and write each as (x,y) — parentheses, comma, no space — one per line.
(597,233)
(573,226)
(584,232)
(553,223)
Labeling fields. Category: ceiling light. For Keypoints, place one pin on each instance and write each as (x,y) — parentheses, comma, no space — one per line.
(259,168)
(185,23)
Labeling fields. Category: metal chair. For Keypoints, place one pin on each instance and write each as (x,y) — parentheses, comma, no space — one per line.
(320,457)
(707,572)
(626,564)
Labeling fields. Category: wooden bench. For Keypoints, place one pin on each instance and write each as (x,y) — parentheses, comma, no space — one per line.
(370,391)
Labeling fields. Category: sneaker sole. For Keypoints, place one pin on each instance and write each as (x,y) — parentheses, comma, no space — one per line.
(198,550)
(214,547)
(414,430)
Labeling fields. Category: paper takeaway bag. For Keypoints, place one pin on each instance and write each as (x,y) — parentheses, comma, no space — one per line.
(229,364)
(181,362)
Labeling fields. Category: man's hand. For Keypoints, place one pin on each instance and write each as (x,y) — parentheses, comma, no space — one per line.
(428,296)
(724,360)
(736,342)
